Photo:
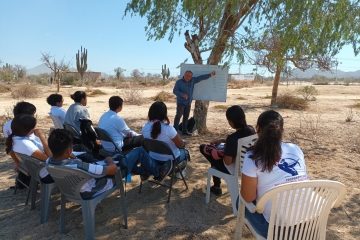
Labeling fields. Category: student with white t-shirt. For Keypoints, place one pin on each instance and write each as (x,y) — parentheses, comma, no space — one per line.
(28,140)
(56,102)
(158,127)
(269,163)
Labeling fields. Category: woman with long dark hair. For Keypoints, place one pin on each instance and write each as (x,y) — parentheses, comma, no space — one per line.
(269,163)
(158,127)
(221,153)
(77,110)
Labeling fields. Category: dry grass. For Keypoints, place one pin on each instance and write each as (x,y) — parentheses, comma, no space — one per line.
(242,84)
(308,93)
(290,101)
(163,97)
(355,105)
(241,98)
(25,91)
(221,107)
(96,92)
(4,88)
(133,96)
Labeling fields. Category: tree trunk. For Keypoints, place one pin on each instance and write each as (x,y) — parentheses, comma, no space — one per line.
(275,85)
(58,85)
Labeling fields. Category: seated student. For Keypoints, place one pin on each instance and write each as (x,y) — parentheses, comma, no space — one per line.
(122,135)
(222,157)
(269,163)
(77,110)
(56,102)
(28,140)
(60,143)
(158,127)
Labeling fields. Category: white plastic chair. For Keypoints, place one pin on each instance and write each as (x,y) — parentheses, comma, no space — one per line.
(34,166)
(299,210)
(232,181)
(70,181)
(57,122)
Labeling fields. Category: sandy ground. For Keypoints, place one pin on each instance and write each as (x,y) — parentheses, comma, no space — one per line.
(331,147)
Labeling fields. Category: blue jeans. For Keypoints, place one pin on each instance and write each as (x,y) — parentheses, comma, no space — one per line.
(152,165)
(134,157)
(257,221)
(182,111)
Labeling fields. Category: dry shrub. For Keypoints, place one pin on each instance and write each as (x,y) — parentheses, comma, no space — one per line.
(4,88)
(25,91)
(133,95)
(308,93)
(96,92)
(309,127)
(356,105)
(163,96)
(290,101)
(349,115)
(221,107)
(241,84)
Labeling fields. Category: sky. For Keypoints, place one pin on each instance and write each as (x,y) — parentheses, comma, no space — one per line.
(59,27)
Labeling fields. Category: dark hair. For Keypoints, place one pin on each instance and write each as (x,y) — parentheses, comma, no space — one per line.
(267,149)
(21,126)
(78,95)
(115,102)
(60,140)
(158,114)
(24,108)
(236,115)
(53,99)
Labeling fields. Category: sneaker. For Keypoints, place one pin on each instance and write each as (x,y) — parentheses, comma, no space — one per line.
(216,190)
(164,170)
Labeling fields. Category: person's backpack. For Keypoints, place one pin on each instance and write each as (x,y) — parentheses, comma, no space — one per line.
(89,136)
(191,126)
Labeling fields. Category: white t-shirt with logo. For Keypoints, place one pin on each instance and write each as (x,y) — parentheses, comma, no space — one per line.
(290,168)
(166,135)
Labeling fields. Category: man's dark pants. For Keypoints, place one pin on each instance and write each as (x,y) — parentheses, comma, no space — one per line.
(182,111)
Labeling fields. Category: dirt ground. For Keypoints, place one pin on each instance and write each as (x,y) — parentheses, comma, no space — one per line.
(331,146)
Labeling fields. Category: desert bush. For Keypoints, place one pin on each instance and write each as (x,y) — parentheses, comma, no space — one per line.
(163,96)
(349,115)
(25,91)
(356,105)
(290,101)
(308,93)
(242,84)
(132,95)
(68,80)
(221,107)
(95,92)
(4,88)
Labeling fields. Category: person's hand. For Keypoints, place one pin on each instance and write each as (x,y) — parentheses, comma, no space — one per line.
(215,142)
(109,160)
(185,96)
(37,132)
(213,73)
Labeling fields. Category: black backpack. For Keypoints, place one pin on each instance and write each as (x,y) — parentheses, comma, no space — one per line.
(89,136)
(191,126)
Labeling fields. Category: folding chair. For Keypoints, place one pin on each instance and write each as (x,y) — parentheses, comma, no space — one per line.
(152,145)
(70,181)
(103,135)
(299,210)
(23,169)
(57,122)
(34,166)
(232,181)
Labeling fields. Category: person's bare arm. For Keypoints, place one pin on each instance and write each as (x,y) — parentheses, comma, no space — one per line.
(178,141)
(228,160)
(111,167)
(40,155)
(248,188)
(16,160)
(43,140)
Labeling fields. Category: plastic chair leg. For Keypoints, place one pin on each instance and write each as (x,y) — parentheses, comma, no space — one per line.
(62,213)
(33,190)
(234,194)
(207,198)
(45,202)
(88,212)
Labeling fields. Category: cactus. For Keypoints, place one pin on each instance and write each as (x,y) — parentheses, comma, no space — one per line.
(165,72)
(81,62)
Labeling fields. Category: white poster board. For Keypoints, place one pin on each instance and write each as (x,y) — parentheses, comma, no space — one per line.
(212,89)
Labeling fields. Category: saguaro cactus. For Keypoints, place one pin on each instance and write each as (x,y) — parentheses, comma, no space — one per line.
(165,72)
(81,62)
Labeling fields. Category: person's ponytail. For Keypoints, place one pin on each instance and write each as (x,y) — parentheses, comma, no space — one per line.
(156,129)
(9,143)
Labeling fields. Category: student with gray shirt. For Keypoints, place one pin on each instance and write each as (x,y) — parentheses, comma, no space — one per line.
(77,110)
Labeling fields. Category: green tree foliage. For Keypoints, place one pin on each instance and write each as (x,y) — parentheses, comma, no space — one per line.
(226,28)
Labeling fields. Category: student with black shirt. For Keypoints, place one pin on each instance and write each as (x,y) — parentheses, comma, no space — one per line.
(221,153)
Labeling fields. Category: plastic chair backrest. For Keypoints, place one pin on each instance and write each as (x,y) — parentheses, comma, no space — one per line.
(57,122)
(103,135)
(152,145)
(33,165)
(299,210)
(243,146)
(76,134)
(70,180)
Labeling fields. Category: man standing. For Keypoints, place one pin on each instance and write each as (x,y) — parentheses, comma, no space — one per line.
(125,138)
(183,90)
